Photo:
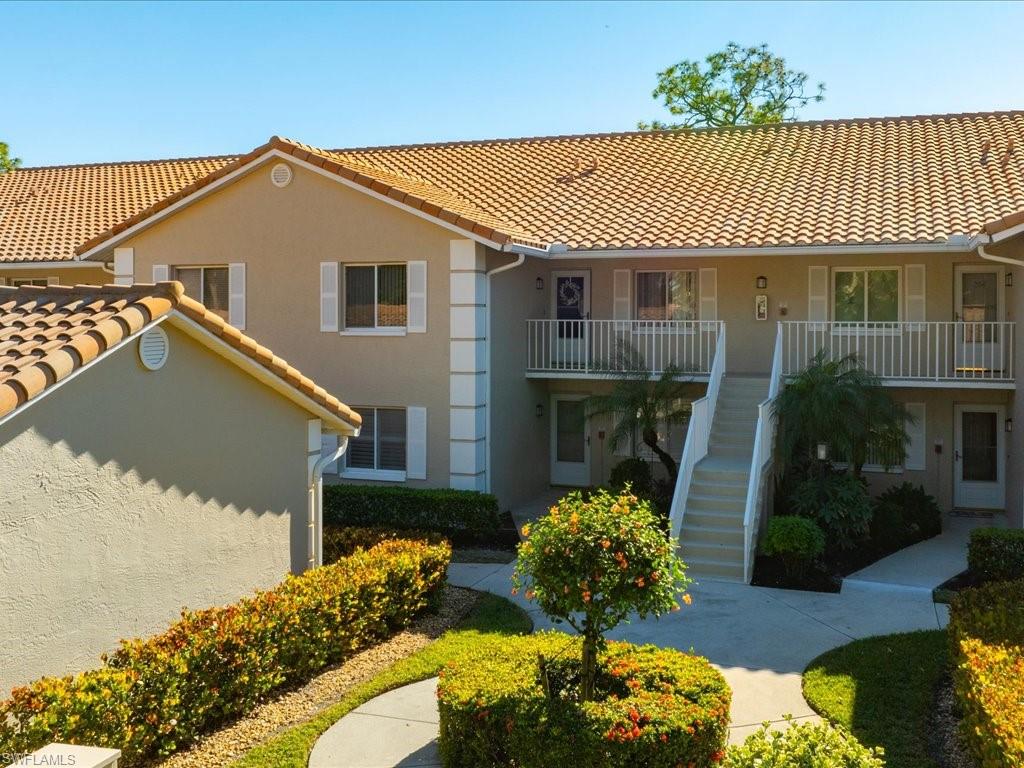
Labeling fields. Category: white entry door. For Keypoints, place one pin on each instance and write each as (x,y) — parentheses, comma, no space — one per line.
(570,441)
(570,308)
(978,303)
(979,457)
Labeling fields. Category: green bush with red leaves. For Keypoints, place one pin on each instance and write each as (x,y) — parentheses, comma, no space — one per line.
(154,696)
(986,631)
(518,704)
(343,540)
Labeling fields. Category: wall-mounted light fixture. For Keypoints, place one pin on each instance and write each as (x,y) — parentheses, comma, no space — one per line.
(539,410)
(540,283)
(822,451)
(762,282)
(1008,425)
(1008,280)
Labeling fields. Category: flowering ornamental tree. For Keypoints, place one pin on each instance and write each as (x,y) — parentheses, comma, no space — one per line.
(593,563)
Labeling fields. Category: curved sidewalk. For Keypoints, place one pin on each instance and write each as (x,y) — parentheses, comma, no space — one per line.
(761,639)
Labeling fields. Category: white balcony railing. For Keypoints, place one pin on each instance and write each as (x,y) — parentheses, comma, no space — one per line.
(944,352)
(594,347)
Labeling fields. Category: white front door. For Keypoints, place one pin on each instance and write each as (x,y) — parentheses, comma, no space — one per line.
(979,457)
(978,304)
(570,308)
(570,441)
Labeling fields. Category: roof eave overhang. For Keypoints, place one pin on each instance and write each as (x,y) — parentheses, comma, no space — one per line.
(953,245)
(101,249)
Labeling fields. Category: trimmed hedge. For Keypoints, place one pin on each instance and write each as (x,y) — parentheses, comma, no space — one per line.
(465,517)
(996,554)
(986,631)
(803,745)
(342,541)
(154,696)
(660,707)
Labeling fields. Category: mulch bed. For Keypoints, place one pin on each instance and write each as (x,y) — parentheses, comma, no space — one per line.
(768,572)
(944,741)
(299,705)
(964,580)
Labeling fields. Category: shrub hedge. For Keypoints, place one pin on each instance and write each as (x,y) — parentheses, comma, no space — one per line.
(803,745)
(797,541)
(996,554)
(986,631)
(343,540)
(465,517)
(154,696)
(660,707)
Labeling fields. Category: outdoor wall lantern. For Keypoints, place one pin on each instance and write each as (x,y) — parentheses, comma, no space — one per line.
(762,282)
(539,410)
(1009,425)
(540,283)
(822,451)
(1009,280)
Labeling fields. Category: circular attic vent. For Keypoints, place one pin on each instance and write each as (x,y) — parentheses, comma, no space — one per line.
(281,175)
(153,348)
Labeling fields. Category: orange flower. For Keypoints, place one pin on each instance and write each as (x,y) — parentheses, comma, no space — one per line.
(526,530)
(586,597)
(605,543)
(687,599)
(640,582)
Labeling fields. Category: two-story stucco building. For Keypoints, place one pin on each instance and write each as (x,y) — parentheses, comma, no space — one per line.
(481,286)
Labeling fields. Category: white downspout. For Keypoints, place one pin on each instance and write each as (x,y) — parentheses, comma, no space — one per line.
(487,365)
(1001,259)
(316,507)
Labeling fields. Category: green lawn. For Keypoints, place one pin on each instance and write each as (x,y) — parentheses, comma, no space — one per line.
(491,618)
(881,689)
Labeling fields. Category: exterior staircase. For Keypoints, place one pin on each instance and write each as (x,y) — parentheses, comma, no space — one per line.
(711,537)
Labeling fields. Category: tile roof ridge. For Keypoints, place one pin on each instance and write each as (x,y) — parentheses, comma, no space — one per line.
(112,163)
(675,131)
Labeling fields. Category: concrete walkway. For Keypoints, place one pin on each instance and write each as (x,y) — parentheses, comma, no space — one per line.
(761,640)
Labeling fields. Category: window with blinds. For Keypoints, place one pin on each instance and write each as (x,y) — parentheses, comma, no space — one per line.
(669,295)
(381,445)
(207,285)
(376,296)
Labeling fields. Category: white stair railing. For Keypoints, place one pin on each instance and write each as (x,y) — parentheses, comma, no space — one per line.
(698,434)
(761,461)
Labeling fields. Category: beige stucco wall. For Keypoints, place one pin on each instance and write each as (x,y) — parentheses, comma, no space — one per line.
(282,235)
(129,494)
(65,275)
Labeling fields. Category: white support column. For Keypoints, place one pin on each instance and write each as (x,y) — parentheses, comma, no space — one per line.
(467,373)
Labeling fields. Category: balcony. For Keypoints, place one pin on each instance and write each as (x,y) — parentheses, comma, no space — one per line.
(594,348)
(910,353)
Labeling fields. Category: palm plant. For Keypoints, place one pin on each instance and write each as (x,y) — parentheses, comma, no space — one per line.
(641,402)
(840,403)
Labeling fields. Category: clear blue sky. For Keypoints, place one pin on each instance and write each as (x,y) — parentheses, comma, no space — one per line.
(91,82)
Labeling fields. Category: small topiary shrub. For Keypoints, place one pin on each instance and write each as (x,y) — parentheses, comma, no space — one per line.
(797,541)
(996,554)
(633,473)
(518,704)
(591,563)
(464,517)
(921,515)
(804,745)
(154,696)
(839,503)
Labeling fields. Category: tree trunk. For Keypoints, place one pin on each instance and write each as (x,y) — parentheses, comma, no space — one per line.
(650,438)
(588,675)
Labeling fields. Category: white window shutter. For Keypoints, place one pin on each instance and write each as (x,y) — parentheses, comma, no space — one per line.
(416,286)
(124,266)
(328,445)
(817,294)
(917,450)
(915,291)
(416,443)
(708,293)
(328,296)
(236,295)
(161,273)
(622,285)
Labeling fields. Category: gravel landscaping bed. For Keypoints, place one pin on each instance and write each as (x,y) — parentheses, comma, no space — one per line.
(299,705)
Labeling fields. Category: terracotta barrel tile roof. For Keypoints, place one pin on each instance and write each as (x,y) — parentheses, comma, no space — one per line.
(921,179)
(46,333)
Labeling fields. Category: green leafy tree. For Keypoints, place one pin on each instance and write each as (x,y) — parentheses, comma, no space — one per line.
(736,86)
(593,563)
(7,163)
(842,404)
(641,402)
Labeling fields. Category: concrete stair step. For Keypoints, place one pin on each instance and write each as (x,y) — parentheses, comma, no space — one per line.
(722,553)
(714,518)
(715,570)
(713,534)
(734,490)
(723,437)
(731,451)
(711,476)
(723,503)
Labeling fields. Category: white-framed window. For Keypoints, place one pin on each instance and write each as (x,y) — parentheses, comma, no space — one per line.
(866,294)
(376,298)
(666,294)
(209,285)
(380,451)
(40,281)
